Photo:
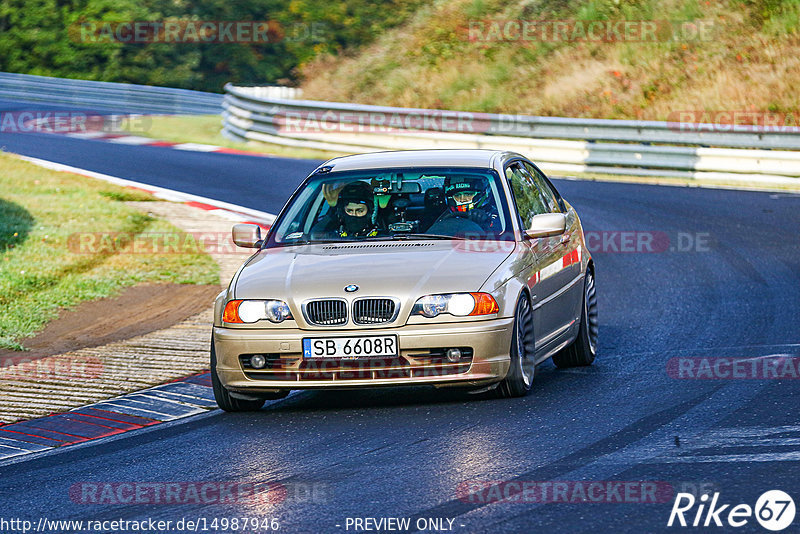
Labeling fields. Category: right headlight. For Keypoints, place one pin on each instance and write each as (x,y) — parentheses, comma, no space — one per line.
(458,304)
(251,311)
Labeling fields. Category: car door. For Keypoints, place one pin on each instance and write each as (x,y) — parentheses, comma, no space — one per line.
(572,273)
(546,277)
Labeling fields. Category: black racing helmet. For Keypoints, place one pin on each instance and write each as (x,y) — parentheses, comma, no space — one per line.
(454,185)
(358,193)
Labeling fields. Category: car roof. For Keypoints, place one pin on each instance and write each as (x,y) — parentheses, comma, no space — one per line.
(419,158)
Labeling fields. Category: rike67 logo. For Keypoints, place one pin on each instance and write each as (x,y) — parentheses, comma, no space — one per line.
(774,510)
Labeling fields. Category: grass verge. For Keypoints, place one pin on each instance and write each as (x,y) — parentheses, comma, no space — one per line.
(41,213)
(206,129)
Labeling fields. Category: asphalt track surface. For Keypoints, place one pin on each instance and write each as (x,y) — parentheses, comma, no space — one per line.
(406,452)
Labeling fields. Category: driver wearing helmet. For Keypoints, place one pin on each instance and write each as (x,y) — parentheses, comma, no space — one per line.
(355,207)
(468,197)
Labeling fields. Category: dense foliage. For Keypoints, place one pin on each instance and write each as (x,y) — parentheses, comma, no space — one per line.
(44,37)
(461,55)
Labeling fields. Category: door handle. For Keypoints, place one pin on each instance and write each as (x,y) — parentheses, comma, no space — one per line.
(565,239)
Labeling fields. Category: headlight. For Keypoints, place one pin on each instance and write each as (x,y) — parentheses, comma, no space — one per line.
(250,311)
(458,304)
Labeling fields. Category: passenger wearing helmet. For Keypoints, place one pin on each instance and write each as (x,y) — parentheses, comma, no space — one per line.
(470,208)
(384,209)
(355,208)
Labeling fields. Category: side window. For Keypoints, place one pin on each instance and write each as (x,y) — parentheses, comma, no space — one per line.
(546,191)
(526,195)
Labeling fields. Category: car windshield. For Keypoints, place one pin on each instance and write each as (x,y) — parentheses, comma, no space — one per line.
(416,203)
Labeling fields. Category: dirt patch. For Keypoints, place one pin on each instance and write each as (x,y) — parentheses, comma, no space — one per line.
(137,310)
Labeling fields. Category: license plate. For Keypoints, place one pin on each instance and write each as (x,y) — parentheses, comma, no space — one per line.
(350,347)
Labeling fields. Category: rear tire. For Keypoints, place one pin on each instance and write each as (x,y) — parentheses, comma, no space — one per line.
(223,397)
(583,349)
(519,379)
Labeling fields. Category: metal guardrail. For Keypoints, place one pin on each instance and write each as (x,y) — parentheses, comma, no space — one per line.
(106,96)
(562,144)
(271,92)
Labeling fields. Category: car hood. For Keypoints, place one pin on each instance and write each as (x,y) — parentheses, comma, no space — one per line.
(404,270)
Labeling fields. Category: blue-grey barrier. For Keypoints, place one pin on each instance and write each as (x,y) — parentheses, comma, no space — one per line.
(710,151)
(106,96)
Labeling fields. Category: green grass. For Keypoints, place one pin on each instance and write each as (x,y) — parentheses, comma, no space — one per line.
(128,196)
(205,129)
(783,18)
(40,211)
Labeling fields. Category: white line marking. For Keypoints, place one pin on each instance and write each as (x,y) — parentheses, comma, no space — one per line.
(132,140)
(87,135)
(159,192)
(196,147)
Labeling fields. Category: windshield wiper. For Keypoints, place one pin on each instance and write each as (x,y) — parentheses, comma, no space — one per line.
(395,237)
(313,242)
(425,236)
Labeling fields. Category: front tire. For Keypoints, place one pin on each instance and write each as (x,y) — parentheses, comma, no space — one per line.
(583,349)
(519,379)
(223,397)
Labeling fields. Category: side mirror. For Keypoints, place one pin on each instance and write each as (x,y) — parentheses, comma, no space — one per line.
(547,224)
(247,235)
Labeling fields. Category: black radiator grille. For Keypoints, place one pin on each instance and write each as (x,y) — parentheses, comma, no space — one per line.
(373,311)
(326,312)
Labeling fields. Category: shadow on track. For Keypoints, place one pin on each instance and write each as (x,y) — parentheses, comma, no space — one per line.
(328,400)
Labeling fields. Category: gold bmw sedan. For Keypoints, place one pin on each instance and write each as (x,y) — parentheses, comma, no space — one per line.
(450,268)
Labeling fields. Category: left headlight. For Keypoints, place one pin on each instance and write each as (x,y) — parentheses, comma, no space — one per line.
(458,304)
(250,311)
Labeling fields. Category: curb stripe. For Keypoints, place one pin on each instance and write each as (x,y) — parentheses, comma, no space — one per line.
(22,445)
(117,417)
(105,423)
(30,438)
(163,143)
(137,140)
(175,400)
(201,205)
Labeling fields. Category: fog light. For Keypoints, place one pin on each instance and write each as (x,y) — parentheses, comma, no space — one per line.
(453,355)
(258,361)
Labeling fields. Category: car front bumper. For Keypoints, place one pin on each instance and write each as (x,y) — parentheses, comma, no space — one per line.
(489,342)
